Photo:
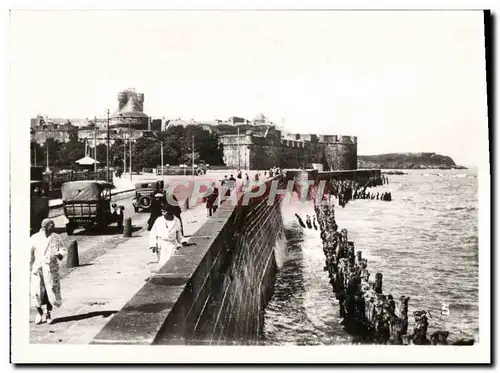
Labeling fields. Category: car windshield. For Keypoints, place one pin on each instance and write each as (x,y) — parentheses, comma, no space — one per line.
(143,185)
(84,191)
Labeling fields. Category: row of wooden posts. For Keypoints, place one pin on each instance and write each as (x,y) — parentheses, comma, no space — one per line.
(368,314)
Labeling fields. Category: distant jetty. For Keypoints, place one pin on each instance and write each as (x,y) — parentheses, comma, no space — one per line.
(394,173)
(407,161)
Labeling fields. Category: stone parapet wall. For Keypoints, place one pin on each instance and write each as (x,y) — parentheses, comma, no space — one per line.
(213,292)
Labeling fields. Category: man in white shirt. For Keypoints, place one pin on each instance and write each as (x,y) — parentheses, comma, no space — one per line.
(166,235)
(47,250)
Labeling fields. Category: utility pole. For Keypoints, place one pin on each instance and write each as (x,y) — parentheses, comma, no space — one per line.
(107,152)
(47,145)
(192,164)
(161,158)
(130,147)
(95,146)
(239,149)
(124,153)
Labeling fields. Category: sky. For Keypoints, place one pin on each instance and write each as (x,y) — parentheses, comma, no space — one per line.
(402,81)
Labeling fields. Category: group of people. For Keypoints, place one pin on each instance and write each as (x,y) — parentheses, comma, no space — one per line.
(228,185)
(274,171)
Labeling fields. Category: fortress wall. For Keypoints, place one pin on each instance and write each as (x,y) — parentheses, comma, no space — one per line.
(332,151)
(263,157)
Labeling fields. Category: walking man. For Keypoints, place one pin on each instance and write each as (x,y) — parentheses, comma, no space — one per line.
(155,210)
(166,235)
(47,250)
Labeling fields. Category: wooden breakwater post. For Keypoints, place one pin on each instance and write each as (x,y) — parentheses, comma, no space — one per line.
(366,312)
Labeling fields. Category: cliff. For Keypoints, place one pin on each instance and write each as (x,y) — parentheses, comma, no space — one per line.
(406,161)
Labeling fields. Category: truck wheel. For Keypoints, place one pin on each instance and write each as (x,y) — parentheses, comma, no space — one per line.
(119,224)
(102,225)
(70,229)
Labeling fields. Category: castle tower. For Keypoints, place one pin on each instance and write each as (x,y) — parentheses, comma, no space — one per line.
(130,110)
(341,152)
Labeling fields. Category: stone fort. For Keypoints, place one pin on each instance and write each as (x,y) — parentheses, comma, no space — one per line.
(264,146)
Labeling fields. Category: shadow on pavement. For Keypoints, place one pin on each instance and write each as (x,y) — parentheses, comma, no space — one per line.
(96,232)
(83,316)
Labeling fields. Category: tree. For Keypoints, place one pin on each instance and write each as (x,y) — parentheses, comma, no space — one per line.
(188,158)
(37,154)
(101,155)
(177,148)
(55,148)
(156,125)
(72,151)
(116,153)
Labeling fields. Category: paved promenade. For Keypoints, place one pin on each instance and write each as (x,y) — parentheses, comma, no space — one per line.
(93,292)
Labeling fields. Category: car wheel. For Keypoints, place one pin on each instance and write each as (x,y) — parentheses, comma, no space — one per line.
(70,229)
(145,202)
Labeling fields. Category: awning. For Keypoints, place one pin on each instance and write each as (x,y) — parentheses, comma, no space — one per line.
(85,161)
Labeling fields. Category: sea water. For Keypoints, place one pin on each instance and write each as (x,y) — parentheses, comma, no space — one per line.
(425,242)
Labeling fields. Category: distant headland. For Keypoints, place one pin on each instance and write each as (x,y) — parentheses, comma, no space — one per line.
(408,161)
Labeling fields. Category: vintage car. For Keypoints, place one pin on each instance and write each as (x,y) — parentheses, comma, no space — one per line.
(145,192)
(88,204)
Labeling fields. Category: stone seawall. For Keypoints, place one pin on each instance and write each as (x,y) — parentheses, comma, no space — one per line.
(213,292)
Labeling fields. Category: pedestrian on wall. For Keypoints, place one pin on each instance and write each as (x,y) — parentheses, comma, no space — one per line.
(47,251)
(166,235)
(171,200)
(155,210)
(212,201)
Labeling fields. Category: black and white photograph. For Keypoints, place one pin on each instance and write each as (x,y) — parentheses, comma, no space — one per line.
(250,186)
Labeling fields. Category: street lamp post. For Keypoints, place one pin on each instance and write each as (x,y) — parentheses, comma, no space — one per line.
(124,147)
(107,152)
